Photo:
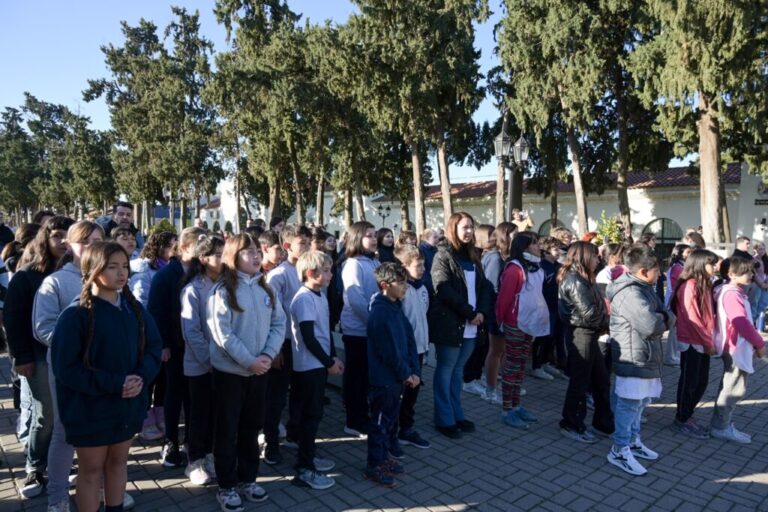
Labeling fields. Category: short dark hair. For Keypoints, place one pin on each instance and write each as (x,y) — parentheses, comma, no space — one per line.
(120,231)
(269,239)
(389,273)
(254,231)
(121,204)
(292,231)
(740,265)
(640,257)
(274,221)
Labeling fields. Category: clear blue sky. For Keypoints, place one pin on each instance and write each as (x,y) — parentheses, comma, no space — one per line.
(51,48)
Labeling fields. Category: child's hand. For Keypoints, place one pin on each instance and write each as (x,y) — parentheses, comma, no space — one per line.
(261,365)
(711,351)
(277,362)
(477,320)
(415,380)
(132,386)
(337,368)
(165,355)
(760,352)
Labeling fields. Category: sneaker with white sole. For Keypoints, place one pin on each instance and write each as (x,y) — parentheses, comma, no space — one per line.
(553,371)
(640,451)
(354,432)
(491,395)
(229,500)
(540,373)
(582,437)
(475,387)
(210,467)
(731,434)
(313,479)
(252,492)
(62,506)
(625,460)
(281,432)
(128,502)
(291,443)
(33,484)
(197,472)
(171,456)
(323,465)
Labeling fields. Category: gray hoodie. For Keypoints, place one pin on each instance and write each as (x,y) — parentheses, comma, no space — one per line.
(239,338)
(638,320)
(359,286)
(194,328)
(57,292)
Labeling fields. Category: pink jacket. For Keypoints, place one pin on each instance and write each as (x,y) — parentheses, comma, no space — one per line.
(694,325)
(735,304)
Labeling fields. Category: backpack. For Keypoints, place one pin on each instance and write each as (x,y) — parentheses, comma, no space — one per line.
(532,310)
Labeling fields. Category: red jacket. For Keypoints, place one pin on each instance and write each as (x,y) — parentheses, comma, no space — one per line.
(512,280)
(695,325)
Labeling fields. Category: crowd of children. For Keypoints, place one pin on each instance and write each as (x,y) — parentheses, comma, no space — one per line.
(228,332)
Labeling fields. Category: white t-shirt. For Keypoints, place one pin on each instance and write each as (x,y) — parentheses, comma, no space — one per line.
(635,388)
(470,331)
(308,305)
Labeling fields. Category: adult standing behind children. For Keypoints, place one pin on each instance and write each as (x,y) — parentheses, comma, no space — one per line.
(359,287)
(462,302)
(582,309)
(638,320)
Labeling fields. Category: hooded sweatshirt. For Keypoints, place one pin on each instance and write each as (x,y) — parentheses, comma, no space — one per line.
(240,337)
(194,329)
(57,291)
(392,356)
(359,286)
(415,307)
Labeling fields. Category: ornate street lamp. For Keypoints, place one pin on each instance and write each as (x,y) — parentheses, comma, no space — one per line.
(502,146)
(520,156)
(384,213)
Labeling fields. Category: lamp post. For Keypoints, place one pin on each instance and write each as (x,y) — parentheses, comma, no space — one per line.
(520,155)
(502,146)
(384,213)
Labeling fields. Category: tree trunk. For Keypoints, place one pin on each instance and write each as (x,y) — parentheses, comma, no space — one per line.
(197,206)
(418,189)
(405,214)
(709,165)
(445,179)
(348,208)
(320,202)
(144,216)
(623,156)
(726,232)
(500,183)
(578,186)
(274,200)
(359,204)
(553,202)
(300,217)
(171,212)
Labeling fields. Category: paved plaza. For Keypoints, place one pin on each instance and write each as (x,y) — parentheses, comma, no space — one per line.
(496,468)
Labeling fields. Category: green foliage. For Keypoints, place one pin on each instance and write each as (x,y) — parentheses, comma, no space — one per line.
(164,225)
(608,228)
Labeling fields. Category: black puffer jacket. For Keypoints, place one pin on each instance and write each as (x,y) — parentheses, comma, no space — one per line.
(580,304)
(450,309)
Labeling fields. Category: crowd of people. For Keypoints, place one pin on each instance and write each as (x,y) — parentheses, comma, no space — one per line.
(113,337)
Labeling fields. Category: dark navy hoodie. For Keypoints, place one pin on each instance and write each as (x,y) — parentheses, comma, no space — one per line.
(392,355)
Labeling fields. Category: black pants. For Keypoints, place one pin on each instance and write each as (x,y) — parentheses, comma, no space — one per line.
(408,404)
(200,423)
(542,350)
(278,382)
(586,368)
(308,388)
(473,369)
(176,396)
(355,381)
(239,411)
(385,405)
(157,389)
(694,377)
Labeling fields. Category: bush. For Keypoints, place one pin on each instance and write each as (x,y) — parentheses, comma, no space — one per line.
(608,228)
(163,225)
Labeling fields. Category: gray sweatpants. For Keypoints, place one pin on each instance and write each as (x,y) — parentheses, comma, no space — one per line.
(733,387)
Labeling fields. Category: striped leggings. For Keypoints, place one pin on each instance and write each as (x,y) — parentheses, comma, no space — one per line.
(517,346)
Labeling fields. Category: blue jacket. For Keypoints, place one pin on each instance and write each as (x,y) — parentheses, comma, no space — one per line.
(429,252)
(392,355)
(164,303)
(90,399)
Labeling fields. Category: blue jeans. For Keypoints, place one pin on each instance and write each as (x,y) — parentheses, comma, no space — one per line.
(41,424)
(626,417)
(384,406)
(61,454)
(449,374)
(25,411)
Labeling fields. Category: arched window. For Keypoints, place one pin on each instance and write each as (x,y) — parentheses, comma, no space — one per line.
(667,233)
(547,226)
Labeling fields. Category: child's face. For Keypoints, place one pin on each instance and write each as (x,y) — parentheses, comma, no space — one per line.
(79,247)
(710,269)
(56,243)
(212,263)
(534,248)
(115,275)
(369,240)
(321,277)
(388,240)
(330,244)
(743,279)
(167,250)
(127,242)
(318,245)
(298,246)
(272,254)
(249,260)
(465,231)
(396,290)
(415,268)
(648,275)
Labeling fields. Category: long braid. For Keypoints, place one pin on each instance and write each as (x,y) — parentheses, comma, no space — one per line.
(267,288)
(86,301)
(136,307)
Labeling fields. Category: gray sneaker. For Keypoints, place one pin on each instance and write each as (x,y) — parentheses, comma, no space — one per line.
(313,479)
(323,464)
(731,434)
(582,437)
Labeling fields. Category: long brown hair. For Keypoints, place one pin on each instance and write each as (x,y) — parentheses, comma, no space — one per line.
(505,232)
(232,247)
(485,238)
(24,235)
(95,260)
(577,260)
(353,245)
(40,256)
(452,235)
(696,268)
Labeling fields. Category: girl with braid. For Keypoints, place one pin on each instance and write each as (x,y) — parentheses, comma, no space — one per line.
(104,348)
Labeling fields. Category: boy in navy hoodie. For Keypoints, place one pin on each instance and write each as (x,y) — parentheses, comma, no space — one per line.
(393,363)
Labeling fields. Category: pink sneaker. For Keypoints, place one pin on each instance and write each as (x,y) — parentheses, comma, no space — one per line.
(149,430)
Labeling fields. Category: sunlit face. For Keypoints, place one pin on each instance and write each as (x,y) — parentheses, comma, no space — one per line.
(77,248)
(330,244)
(743,279)
(409,241)
(317,245)
(212,263)
(323,276)
(710,269)
(127,242)
(396,290)
(369,240)
(272,253)
(123,216)
(415,268)
(388,240)
(115,275)
(759,250)
(298,246)
(249,260)
(57,243)
(433,238)
(465,230)
(534,248)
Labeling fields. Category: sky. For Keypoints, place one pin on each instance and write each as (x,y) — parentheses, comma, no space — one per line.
(51,48)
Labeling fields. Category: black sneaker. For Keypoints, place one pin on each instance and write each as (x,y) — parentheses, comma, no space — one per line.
(33,485)
(465,425)
(452,431)
(272,454)
(396,452)
(172,456)
(414,439)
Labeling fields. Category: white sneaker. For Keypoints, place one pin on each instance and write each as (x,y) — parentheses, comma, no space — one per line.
(313,479)
(210,467)
(731,434)
(492,395)
(62,506)
(475,387)
(128,502)
(229,500)
(252,492)
(639,450)
(540,373)
(73,480)
(197,472)
(523,392)
(553,371)
(352,432)
(323,465)
(625,461)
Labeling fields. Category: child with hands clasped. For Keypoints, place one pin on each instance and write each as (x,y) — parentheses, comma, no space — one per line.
(104,349)
(313,359)
(736,340)
(393,364)
(247,326)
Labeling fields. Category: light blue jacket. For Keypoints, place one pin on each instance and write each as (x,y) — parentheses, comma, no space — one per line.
(141,279)
(359,286)
(194,328)
(240,337)
(57,292)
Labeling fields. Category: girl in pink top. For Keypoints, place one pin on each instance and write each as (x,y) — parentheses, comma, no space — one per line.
(676,264)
